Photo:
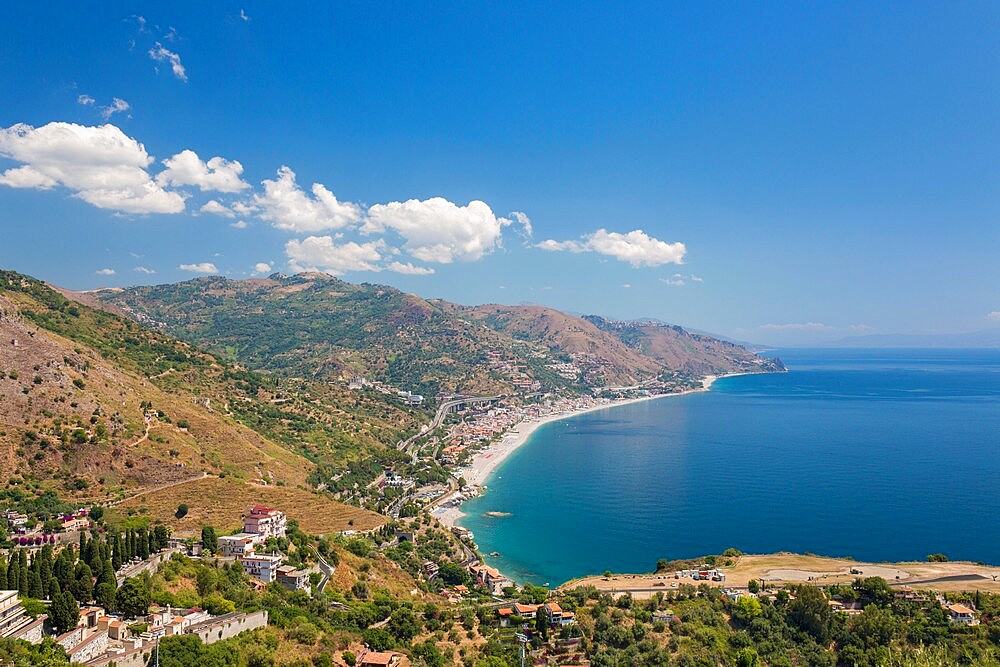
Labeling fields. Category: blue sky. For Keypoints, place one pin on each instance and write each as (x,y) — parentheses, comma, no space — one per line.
(783,172)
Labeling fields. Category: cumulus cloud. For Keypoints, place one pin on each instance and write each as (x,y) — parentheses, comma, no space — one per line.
(410,269)
(994,316)
(144,270)
(636,247)
(219,174)
(102,165)
(243,15)
(105,272)
(262,268)
(118,105)
(320,253)
(161,54)
(26,177)
(202,267)
(286,206)
(215,208)
(85,100)
(239,224)
(436,230)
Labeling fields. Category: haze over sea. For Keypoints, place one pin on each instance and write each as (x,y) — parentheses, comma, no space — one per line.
(875,454)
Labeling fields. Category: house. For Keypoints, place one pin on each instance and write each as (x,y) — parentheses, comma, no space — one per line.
(293,579)
(490,578)
(264,521)
(505,613)
(557,615)
(383,659)
(959,614)
(238,544)
(261,566)
(431,569)
(665,616)
(526,610)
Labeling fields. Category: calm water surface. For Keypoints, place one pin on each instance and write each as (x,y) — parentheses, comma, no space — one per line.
(876,454)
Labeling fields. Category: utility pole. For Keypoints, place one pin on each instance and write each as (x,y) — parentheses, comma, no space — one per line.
(522,640)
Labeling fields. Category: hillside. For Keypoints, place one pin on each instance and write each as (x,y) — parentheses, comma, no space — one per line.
(315,326)
(677,348)
(95,406)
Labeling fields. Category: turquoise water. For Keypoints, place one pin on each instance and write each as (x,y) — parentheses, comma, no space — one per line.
(879,455)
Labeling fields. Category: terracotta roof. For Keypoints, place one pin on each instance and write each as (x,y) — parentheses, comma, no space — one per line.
(525,608)
(960,609)
(554,608)
(377,658)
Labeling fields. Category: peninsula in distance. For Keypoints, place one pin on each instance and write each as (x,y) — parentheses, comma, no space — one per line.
(366,335)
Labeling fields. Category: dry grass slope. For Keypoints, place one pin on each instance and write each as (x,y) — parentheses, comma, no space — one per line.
(222,502)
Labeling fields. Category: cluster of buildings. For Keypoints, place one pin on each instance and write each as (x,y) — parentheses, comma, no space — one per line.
(513,371)
(358,383)
(18,522)
(260,524)
(102,640)
(555,615)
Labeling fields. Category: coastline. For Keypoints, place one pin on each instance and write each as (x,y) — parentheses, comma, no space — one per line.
(482,465)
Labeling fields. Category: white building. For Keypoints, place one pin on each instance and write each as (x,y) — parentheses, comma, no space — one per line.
(264,521)
(261,566)
(239,544)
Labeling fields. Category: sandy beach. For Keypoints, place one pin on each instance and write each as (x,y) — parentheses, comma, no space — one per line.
(478,470)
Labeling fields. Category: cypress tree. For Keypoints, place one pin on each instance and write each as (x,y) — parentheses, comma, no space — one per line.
(22,572)
(45,567)
(12,572)
(3,574)
(35,586)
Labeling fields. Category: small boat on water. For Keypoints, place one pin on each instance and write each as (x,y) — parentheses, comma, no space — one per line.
(494,554)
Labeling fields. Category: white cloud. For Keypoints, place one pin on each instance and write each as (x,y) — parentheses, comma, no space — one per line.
(85,100)
(243,15)
(118,105)
(680,280)
(105,272)
(203,267)
(26,177)
(262,267)
(101,164)
(523,220)
(994,316)
(320,253)
(186,168)
(626,285)
(553,245)
(161,55)
(286,206)
(215,208)
(436,230)
(239,224)
(409,269)
(636,247)
(144,270)
(676,280)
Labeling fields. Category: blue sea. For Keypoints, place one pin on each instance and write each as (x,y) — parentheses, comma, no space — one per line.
(874,454)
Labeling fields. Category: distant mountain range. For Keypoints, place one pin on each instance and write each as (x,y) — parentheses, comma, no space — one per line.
(314,325)
(980,339)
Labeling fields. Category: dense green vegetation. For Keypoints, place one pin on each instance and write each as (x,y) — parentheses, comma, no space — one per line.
(313,325)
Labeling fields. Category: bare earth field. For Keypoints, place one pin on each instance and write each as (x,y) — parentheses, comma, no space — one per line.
(221,503)
(796,568)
